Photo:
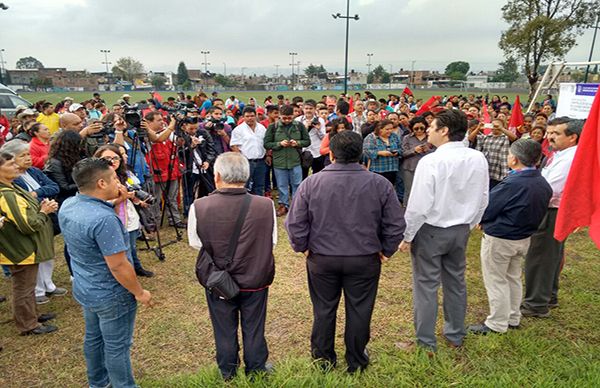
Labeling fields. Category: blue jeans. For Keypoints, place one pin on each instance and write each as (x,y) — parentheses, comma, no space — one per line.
(256,182)
(286,178)
(137,264)
(107,343)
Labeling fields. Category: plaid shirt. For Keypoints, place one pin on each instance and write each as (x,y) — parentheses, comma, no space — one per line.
(495,149)
(373,144)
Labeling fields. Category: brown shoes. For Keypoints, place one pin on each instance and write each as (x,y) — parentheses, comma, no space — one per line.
(281,211)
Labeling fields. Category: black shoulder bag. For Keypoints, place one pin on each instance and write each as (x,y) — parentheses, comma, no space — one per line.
(219,280)
(306,158)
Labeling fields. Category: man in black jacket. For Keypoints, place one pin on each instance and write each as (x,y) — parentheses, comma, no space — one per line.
(211,224)
(516,208)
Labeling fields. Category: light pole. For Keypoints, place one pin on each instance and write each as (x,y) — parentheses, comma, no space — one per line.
(205,53)
(277,71)
(390,86)
(412,74)
(224,69)
(369,55)
(106,62)
(587,68)
(243,68)
(347,17)
(293,64)
(2,66)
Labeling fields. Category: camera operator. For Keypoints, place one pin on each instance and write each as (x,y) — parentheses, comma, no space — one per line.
(198,153)
(218,130)
(91,134)
(316,130)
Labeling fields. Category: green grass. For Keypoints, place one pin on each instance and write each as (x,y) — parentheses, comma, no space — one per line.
(174,346)
(112,97)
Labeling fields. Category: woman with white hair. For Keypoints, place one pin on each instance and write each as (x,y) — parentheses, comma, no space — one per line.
(40,187)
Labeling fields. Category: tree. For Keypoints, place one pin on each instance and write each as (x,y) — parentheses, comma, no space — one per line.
(378,75)
(158,81)
(457,70)
(29,63)
(128,68)
(315,71)
(542,30)
(224,81)
(508,71)
(41,83)
(182,73)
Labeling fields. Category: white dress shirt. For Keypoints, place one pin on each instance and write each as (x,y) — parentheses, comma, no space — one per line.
(251,142)
(194,239)
(316,135)
(556,172)
(450,188)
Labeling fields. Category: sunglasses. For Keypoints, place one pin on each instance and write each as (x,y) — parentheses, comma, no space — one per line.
(416,128)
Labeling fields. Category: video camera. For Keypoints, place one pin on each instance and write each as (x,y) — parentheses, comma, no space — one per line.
(141,194)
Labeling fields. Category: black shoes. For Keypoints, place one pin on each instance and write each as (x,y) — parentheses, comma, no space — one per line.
(534,314)
(46,317)
(145,273)
(42,329)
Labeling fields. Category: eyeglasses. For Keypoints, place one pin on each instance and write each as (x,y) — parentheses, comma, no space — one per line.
(419,127)
(112,159)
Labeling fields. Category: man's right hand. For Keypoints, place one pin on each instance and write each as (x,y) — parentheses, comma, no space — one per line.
(120,124)
(284,143)
(92,128)
(48,206)
(145,298)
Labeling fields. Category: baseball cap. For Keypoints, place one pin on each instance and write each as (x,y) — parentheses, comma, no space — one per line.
(26,112)
(75,107)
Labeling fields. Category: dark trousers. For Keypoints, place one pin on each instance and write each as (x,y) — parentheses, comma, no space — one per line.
(249,309)
(358,277)
(438,256)
(24,278)
(256,181)
(188,181)
(67,258)
(317,165)
(390,176)
(542,266)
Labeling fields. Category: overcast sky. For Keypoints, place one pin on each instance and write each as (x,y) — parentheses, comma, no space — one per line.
(257,34)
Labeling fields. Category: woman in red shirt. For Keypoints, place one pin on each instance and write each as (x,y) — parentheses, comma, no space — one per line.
(40,144)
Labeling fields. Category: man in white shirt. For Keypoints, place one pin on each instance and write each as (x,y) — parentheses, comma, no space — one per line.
(248,138)
(316,131)
(448,198)
(359,116)
(545,255)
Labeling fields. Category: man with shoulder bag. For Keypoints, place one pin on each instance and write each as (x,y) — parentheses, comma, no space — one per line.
(235,233)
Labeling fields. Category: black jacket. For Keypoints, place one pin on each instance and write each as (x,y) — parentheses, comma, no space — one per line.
(55,171)
(517,205)
(206,150)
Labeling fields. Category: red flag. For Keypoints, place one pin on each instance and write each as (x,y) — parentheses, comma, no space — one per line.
(433,101)
(487,122)
(516,117)
(157,97)
(580,202)
(407,91)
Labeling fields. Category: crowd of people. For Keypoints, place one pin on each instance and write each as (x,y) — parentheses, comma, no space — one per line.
(356,177)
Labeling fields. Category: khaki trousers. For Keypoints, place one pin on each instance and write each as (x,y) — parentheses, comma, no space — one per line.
(501,266)
(24,279)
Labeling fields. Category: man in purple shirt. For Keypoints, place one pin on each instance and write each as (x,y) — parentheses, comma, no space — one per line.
(347,221)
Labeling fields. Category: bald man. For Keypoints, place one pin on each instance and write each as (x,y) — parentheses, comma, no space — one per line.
(72,122)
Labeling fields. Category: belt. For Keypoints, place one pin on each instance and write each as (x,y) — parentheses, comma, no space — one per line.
(256,160)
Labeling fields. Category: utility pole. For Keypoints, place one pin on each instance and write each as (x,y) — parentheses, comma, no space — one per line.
(293,64)
(347,17)
(2,63)
(205,53)
(587,69)
(224,69)
(390,87)
(412,74)
(106,62)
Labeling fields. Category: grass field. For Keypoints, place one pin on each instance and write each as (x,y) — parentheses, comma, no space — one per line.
(174,347)
(112,97)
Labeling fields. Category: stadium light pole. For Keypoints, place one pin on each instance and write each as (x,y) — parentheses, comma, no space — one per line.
(106,63)
(347,17)
(224,69)
(2,66)
(293,64)
(369,55)
(587,68)
(205,53)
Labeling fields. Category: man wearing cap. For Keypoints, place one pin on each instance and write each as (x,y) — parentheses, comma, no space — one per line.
(49,118)
(125,97)
(516,208)
(80,111)
(26,117)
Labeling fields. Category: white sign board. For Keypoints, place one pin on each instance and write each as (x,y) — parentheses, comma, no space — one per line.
(575,100)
